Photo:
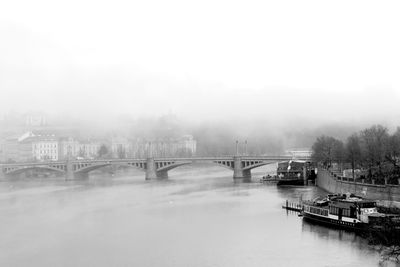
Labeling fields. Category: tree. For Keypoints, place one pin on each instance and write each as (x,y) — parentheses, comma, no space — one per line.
(327,149)
(103,151)
(375,141)
(338,151)
(353,151)
(393,153)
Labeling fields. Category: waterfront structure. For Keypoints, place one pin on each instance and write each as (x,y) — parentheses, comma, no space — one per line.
(10,149)
(334,182)
(26,150)
(184,146)
(89,149)
(292,172)
(120,147)
(17,148)
(30,147)
(349,212)
(70,147)
(298,153)
(47,146)
(44,147)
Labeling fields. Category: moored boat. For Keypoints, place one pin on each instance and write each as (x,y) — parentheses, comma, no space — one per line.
(295,172)
(289,181)
(269,178)
(349,212)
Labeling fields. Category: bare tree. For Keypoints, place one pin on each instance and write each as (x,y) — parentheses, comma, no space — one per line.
(353,151)
(393,152)
(375,142)
(338,151)
(103,151)
(327,149)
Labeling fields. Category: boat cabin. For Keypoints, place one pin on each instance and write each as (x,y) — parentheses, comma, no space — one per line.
(291,169)
(352,207)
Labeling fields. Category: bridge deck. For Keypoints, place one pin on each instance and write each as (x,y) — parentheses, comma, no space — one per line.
(110,161)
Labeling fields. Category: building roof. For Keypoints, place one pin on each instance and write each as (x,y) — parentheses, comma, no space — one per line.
(39,139)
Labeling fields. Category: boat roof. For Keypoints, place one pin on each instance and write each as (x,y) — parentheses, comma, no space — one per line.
(339,200)
(378,215)
(352,200)
(349,198)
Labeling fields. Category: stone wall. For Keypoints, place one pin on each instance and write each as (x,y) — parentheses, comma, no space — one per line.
(327,181)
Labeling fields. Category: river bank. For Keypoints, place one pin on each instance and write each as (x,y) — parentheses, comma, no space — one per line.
(385,195)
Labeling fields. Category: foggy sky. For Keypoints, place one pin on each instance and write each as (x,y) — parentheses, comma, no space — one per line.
(315,60)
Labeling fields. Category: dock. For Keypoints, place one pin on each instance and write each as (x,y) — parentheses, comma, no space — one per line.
(293,206)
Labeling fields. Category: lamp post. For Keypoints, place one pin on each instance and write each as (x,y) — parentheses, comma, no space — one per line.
(237,148)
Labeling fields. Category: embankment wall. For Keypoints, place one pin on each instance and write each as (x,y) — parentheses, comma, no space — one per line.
(327,181)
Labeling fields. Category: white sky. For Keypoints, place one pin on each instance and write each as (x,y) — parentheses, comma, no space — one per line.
(199,59)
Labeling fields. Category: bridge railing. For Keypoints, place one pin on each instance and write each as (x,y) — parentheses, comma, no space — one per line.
(212,158)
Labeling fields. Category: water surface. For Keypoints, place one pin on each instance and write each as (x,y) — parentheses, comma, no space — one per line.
(199,217)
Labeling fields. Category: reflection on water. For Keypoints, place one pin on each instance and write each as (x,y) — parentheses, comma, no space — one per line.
(198,217)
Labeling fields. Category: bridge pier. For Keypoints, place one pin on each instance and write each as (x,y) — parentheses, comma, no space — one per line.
(151,170)
(238,170)
(69,175)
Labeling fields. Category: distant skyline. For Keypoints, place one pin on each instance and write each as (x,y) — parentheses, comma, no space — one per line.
(320,61)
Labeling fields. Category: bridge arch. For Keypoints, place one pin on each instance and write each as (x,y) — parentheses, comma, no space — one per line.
(171,166)
(24,169)
(258,164)
(88,167)
(225,164)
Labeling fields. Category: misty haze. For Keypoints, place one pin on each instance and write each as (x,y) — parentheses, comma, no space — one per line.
(213,133)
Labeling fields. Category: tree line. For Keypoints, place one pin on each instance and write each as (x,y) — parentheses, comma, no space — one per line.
(373,150)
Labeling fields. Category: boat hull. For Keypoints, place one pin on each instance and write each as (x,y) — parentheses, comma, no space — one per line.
(335,223)
(291,182)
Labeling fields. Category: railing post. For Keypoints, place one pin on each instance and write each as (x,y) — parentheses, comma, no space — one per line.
(237,148)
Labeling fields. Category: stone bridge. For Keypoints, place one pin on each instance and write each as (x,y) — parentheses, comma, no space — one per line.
(154,168)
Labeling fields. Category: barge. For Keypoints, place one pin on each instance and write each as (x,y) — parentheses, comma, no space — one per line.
(295,172)
(349,212)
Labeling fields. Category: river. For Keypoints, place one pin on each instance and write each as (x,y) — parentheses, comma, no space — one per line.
(198,217)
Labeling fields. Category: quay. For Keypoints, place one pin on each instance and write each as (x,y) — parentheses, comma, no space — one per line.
(293,206)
